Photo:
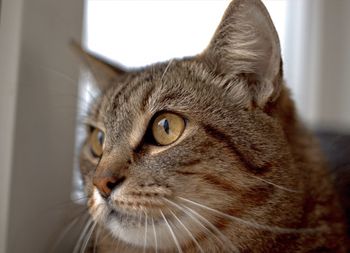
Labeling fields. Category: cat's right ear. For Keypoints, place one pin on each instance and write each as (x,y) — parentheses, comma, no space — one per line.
(246,46)
(102,71)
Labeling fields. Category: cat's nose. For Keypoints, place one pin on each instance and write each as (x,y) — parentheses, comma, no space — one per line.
(106,185)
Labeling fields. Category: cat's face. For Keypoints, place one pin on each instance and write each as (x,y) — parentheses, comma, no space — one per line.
(169,143)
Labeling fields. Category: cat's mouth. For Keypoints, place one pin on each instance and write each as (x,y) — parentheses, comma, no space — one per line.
(136,220)
(126,218)
(135,213)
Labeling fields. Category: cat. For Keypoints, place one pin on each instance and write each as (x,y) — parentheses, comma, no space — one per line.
(206,153)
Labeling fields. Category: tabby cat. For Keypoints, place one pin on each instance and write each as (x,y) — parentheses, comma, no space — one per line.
(206,153)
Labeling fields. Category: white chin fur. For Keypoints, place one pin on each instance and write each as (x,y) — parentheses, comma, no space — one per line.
(140,236)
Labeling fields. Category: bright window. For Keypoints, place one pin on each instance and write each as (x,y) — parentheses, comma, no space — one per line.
(137,33)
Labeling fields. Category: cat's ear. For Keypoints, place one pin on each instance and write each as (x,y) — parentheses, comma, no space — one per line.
(246,45)
(102,71)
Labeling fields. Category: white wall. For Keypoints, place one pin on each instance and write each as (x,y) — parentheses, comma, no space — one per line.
(10,34)
(334,98)
(34,39)
(318,61)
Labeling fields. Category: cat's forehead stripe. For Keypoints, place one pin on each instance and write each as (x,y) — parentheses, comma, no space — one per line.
(114,96)
(123,95)
(146,97)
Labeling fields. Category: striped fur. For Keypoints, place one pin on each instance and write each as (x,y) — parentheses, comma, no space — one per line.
(245,176)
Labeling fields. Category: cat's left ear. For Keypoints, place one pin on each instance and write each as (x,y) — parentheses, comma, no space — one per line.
(102,71)
(246,45)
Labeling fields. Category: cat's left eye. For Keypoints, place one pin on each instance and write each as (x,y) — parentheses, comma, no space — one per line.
(96,141)
(167,128)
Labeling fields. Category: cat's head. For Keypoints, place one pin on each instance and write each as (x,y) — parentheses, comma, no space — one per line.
(171,142)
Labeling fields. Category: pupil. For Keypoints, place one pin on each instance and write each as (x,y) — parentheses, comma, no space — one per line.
(100,137)
(165,125)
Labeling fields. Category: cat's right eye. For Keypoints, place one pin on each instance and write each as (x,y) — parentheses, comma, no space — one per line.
(96,141)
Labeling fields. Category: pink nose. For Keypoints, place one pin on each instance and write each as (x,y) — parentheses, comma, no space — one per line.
(106,185)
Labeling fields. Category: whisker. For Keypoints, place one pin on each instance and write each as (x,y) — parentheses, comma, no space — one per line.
(88,237)
(275,185)
(254,224)
(194,218)
(82,235)
(80,198)
(166,69)
(116,243)
(58,73)
(145,239)
(69,204)
(215,229)
(105,237)
(155,236)
(64,233)
(171,232)
(97,235)
(188,231)
(140,225)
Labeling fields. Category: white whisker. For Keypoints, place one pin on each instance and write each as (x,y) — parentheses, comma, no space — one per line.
(145,239)
(188,232)
(82,235)
(171,232)
(87,237)
(216,230)
(166,69)
(58,73)
(116,242)
(195,219)
(140,226)
(64,233)
(155,236)
(97,235)
(275,185)
(254,224)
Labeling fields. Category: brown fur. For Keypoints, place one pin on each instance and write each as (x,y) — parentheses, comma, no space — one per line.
(243,153)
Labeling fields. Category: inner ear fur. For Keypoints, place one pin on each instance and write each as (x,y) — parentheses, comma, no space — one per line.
(102,70)
(246,45)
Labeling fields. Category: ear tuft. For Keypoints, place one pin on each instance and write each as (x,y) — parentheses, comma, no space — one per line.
(246,44)
(103,72)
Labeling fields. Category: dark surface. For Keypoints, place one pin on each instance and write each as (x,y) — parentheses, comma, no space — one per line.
(336,148)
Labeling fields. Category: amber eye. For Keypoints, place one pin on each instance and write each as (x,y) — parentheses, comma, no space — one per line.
(167,128)
(97,138)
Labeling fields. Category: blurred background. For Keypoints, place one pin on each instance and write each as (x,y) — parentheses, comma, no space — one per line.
(42,92)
